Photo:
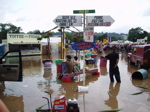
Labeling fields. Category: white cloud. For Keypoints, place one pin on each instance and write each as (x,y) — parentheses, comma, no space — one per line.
(39,14)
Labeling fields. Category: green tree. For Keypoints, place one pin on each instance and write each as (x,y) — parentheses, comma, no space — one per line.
(69,36)
(101,37)
(34,32)
(114,38)
(8,28)
(137,33)
(78,37)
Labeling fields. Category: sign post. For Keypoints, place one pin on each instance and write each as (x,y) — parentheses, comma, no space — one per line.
(68,20)
(89,34)
(99,21)
(83,12)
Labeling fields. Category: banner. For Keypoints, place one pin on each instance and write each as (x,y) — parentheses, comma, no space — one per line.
(82,45)
(89,34)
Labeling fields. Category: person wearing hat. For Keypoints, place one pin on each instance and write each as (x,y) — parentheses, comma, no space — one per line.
(113,65)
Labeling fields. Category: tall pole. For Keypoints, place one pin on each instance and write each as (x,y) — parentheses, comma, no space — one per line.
(63,43)
(48,39)
(84,52)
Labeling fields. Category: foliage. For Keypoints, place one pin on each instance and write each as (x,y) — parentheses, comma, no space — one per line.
(137,33)
(112,34)
(138,92)
(47,35)
(113,38)
(78,38)
(8,28)
(34,32)
(69,36)
(101,37)
(60,30)
(39,38)
(133,34)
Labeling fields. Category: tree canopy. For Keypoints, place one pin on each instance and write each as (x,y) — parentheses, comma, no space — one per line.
(137,33)
(8,28)
(133,34)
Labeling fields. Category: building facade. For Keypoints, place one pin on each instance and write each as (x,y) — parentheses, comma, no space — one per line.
(27,43)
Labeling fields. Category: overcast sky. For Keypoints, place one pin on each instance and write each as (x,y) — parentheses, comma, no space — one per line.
(39,14)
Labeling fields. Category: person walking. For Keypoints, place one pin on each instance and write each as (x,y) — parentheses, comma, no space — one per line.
(113,65)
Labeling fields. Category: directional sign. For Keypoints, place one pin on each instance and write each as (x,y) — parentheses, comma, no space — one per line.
(68,20)
(88,34)
(83,11)
(99,21)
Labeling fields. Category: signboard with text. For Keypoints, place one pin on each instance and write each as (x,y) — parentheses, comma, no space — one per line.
(82,45)
(89,34)
(25,38)
(83,11)
(68,20)
(99,21)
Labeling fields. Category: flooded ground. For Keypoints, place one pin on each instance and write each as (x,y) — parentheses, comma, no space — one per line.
(26,96)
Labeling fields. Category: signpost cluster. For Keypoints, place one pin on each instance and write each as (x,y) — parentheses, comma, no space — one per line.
(89,22)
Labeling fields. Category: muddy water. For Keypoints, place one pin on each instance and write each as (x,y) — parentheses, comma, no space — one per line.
(26,96)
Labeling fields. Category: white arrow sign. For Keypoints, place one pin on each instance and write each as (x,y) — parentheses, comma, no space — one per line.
(68,20)
(99,21)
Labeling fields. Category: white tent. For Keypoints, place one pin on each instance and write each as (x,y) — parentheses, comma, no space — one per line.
(128,42)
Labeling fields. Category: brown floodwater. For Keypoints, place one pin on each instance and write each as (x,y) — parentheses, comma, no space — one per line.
(26,96)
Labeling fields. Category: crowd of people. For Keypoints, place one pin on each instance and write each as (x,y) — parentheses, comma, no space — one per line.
(119,47)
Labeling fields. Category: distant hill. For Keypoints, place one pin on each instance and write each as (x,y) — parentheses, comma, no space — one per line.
(122,35)
(112,34)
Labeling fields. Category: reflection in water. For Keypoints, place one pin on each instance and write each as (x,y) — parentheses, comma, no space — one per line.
(31,64)
(45,85)
(123,57)
(112,101)
(70,89)
(26,96)
(103,70)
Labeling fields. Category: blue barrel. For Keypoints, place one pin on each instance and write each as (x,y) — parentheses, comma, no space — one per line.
(140,74)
